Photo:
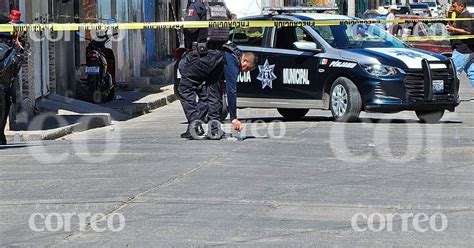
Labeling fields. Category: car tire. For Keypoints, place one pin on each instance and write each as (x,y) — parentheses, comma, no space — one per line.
(293,114)
(345,100)
(430,117)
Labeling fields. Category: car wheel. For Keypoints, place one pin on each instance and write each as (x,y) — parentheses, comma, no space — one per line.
(346,102)
(293,114)
(431,117)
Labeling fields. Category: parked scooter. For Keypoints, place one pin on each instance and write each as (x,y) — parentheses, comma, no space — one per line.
(100,69)
(11,59)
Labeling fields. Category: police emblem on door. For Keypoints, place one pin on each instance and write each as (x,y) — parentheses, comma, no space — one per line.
(266,75)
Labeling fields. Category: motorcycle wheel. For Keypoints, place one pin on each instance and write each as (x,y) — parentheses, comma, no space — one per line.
(95,92)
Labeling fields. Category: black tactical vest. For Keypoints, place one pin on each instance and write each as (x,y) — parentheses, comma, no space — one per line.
(217,11)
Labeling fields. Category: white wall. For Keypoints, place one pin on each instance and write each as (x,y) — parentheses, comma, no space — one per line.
(244,8)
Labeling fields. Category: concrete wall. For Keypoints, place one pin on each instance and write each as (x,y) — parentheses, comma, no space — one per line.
(65,52)
(130,49)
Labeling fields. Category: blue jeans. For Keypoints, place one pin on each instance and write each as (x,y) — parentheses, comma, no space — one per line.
(463,62)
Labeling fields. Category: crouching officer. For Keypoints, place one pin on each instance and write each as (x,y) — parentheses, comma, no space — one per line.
(204,39)
(202,68)
(203,73)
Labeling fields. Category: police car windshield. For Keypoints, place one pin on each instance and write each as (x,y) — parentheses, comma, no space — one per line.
(357,36)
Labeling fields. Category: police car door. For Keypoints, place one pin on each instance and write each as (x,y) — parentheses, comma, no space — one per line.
(294,72)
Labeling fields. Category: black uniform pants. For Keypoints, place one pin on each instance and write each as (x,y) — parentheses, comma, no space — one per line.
(5,103)
(200,80)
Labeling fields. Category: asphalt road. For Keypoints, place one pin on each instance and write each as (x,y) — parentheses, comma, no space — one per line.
(301,189)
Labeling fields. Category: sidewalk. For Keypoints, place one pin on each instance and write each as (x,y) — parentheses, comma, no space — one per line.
(62,116)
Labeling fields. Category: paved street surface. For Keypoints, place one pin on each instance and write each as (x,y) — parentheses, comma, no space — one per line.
(302,189)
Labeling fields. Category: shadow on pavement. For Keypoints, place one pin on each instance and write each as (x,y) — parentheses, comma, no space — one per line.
(13,146)
(57,121)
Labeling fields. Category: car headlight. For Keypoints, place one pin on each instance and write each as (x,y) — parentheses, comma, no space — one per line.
(381,70)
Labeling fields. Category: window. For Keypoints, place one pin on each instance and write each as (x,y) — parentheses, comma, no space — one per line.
(286,36)
(325,32)
(247,36)
(357,36)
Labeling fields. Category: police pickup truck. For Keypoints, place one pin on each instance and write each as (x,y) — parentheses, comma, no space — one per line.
(343,68)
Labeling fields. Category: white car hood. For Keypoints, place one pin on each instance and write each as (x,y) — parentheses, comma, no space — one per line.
(410,57)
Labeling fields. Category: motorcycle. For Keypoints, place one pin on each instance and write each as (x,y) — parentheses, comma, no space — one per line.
(11,59)
(100,70)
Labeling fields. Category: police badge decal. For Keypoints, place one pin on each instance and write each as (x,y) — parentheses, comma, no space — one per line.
(266,75)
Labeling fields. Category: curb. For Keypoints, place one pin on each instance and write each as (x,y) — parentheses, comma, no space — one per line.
(90,122)
(98,120)
(151,102)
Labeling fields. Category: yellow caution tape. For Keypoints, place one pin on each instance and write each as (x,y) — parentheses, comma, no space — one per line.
(53,27)
(201,24)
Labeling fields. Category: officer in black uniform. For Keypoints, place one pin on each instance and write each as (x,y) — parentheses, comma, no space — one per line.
(211,67)
(195,11)
(202,68)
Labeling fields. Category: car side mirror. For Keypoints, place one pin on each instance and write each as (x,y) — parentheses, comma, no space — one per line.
(307,46)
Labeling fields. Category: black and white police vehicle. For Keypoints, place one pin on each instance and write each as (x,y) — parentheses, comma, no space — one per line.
(343,68)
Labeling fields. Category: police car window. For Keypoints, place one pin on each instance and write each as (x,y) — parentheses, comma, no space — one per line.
(357,36)
(302,35)
(286,36)
(247,36)
(325,32)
